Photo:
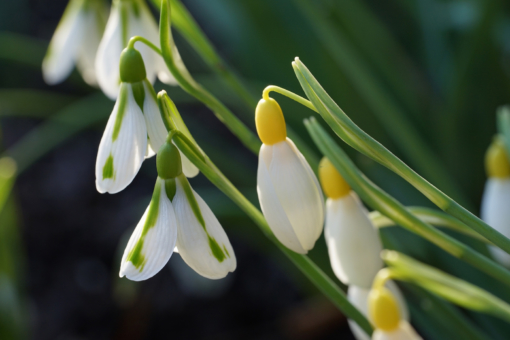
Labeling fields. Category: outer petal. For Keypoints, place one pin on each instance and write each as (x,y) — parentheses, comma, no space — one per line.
(271,206)
(495,211)
(359,298)
(353,244)
(60,58)
(198,245)
(404,332)
(189,169)
(153,240)
(155,126)
(123,146)
(85,59)
(108,55)
(297,190)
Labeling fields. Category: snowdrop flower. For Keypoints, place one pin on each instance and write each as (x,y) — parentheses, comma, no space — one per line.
(353,243)
(496,197)
(359,298)
(386,316)
(75,42)
(289,193)
(177,215)
(128,18)
(135,129)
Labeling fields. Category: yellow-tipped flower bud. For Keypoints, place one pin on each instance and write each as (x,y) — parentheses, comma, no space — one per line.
(383,309)
(270,122)
(496,160)
(333,184)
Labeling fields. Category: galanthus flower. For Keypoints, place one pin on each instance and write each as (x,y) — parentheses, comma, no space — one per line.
(359,298)
(177,216)
(387,318)
(496,197)
(135,129)
(289,192)
(75,42)
(353,243)
(128,18)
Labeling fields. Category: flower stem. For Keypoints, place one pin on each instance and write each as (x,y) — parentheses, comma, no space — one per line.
(136,38)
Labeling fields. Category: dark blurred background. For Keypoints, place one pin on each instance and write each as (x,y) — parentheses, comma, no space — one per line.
(423,77)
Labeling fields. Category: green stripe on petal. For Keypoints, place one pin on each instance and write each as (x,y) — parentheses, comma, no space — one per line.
(216,250)
(108,170)
(135,255)
(191,199)
(123,100)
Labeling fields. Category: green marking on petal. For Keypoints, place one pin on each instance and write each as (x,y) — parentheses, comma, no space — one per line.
(152,92)
(136,8)
(170,188)
(216,250)
(191,199)
(135,255)
(138,93)
(108,171)
(123,98)
(124,22)
(226,251)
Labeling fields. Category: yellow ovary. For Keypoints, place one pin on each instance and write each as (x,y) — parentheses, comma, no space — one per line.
(383,309)
(496,160)
(270,122)
(333,184)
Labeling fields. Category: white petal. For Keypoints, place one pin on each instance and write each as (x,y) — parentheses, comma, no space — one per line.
(271,207)
(194,241)
(155,126)
(127,151)
(155,242)
(359,298)
(88,48)
(297,190)
(404,332)
(495,211)
(353,244)
(60,58)
(189,169)
(108,55)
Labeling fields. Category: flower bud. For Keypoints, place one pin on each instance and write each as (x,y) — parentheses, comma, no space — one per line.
(132,67)
(270,122)
(168,161)
(383,309)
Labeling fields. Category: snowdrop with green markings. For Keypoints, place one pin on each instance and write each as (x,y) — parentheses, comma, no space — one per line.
(177,216)
(128,18)
(75,42)
(135,129)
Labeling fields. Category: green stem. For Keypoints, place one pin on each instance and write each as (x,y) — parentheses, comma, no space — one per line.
(136,38)
(391,208)
(346,129)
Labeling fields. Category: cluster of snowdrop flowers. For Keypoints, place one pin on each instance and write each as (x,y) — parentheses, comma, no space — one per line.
(176,217)
(289,192)
(79,40)
(135,129)
(495,210)
(353,243)
(385,313)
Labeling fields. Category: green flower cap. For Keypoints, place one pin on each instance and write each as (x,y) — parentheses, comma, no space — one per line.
(168,161)
(132,68)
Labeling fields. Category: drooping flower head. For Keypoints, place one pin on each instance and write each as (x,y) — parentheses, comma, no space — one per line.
(289,192)
(75,42)
(128,18)
(353,243)
(385,314)
(496,197)
(135,129)
(177,216)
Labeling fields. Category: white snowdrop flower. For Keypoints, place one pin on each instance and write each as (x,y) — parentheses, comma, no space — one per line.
(152,242)
(387,318)
(353,243)
(359,298)
(289,192)
(134,131)
(75,42)
(128,18)
(495,208)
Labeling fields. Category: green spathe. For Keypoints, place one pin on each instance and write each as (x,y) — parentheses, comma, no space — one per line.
(168,161)
(132,67)
(135,255)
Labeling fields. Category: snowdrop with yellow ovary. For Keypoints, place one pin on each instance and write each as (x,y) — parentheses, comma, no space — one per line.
(135,129)
(289,192)
(177,216)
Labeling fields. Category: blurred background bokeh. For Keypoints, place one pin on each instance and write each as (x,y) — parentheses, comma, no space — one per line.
(423,77)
